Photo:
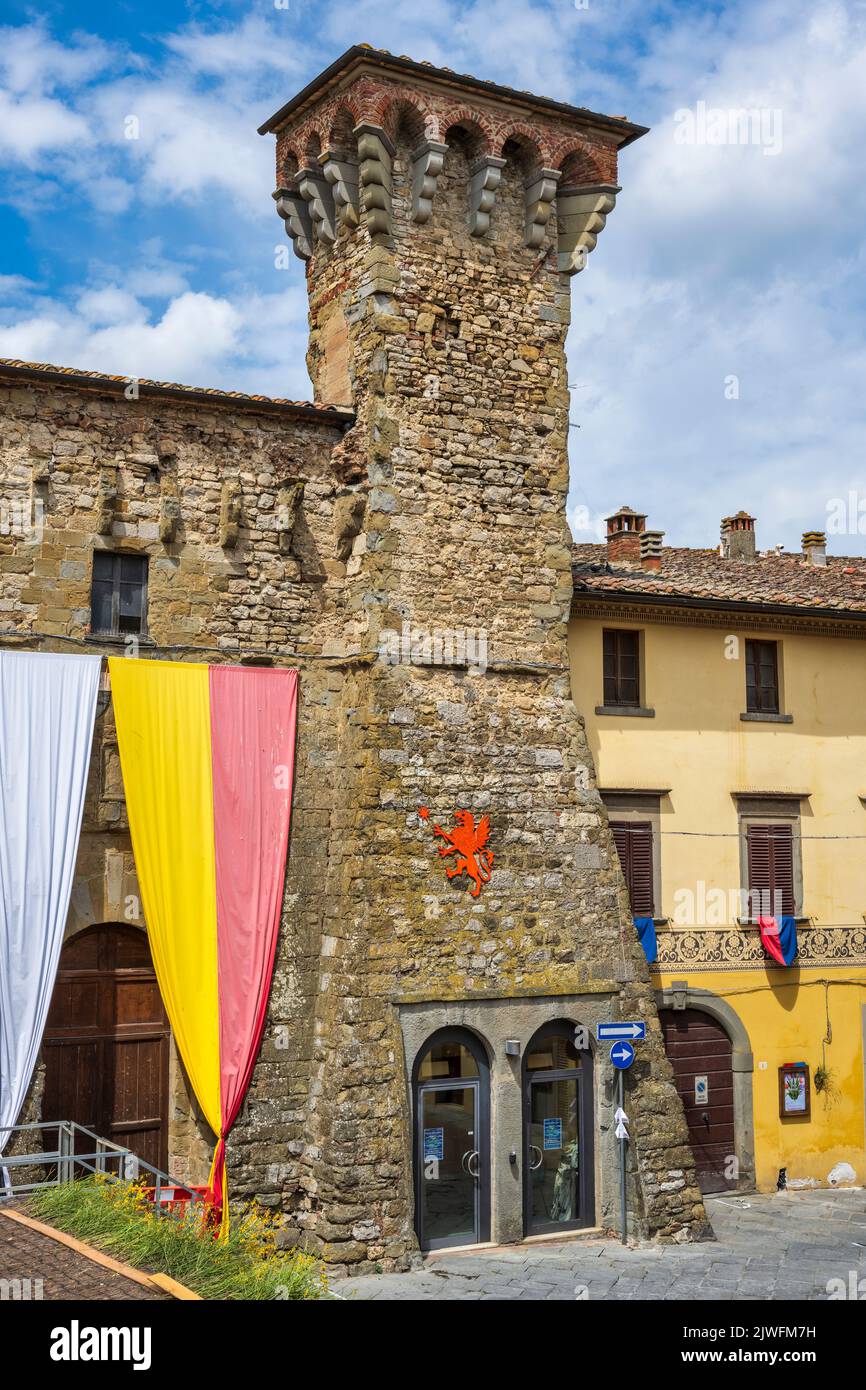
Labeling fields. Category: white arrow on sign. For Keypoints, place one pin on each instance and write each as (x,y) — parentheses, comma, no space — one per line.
(613,1032)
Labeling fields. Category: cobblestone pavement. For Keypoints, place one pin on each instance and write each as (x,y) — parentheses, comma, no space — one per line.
(784,1246)
(25,1254)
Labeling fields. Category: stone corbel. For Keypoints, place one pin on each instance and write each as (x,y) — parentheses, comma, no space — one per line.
(288,504)
(348,519)
(581,213)
(375,155)
(106,500)
(318,194)
(540,193)
(230,514)
(295,212)
(342,175)
(485,176)
(169,510)
(427,163)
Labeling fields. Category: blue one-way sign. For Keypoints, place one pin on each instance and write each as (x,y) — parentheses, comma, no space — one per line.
(612,1032)
(622,1055)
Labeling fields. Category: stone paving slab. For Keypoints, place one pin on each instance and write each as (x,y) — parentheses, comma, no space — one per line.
(785,1245)
(64,1274)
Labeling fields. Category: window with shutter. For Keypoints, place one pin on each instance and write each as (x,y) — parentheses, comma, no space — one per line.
(762,678)
(771,869)
(621,657)
(634,843)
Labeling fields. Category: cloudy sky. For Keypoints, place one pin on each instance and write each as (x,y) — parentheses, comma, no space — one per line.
(718,351)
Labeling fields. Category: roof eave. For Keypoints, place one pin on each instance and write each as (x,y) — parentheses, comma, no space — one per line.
(322,415)
(626,131)
(720,605)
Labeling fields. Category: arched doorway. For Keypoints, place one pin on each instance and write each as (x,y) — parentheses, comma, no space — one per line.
(700,1051)
(451,1093)
(106,1042)
(558,1162)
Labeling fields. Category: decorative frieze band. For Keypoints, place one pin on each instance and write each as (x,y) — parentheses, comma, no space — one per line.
(733,948)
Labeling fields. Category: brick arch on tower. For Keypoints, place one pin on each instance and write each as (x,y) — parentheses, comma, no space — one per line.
(479,129)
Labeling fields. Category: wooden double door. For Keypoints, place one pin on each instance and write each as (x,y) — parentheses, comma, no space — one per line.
(106,1043)
(700,1053)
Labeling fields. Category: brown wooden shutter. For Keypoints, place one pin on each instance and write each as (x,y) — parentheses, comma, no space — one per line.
(782,850)
(771,868)
(642,869)
(634,843)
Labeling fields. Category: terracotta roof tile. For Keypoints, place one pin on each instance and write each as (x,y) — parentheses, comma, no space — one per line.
(780,580)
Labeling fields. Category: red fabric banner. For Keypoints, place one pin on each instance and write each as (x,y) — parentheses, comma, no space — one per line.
(253,725)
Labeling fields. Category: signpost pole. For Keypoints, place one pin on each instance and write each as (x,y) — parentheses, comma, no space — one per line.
(622,1166)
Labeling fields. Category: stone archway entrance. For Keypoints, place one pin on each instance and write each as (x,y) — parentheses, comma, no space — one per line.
(106,1043)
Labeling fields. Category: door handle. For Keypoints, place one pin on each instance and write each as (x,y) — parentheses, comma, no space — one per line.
(535,1147)
(473,1172)
(468,1154)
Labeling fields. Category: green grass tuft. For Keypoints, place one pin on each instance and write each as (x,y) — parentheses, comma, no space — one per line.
(117,1218)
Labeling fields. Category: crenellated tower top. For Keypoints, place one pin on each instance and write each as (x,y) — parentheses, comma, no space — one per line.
(336,145)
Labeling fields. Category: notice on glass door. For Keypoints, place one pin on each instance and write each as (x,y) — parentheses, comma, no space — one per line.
(434,1143)
(552,1134)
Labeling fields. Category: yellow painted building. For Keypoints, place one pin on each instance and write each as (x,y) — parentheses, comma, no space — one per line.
(724,694)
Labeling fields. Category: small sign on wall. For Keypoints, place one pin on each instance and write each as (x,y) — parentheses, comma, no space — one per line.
(794,1091)
(702,1090)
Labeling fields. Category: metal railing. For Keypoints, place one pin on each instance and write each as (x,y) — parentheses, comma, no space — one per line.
(109,1160)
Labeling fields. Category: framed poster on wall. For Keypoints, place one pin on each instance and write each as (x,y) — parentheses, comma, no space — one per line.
(794,1092)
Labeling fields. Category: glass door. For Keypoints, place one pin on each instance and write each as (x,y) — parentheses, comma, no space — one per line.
(553,1161)
(558,1159)
(449,1163)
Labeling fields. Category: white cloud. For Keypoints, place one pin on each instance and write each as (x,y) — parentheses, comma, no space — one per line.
(199,339)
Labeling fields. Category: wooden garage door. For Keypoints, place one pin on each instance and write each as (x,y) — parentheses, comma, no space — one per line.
(106,1043)
(700,1053)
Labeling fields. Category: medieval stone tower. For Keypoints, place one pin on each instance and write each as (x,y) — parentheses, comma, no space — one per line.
(440,219)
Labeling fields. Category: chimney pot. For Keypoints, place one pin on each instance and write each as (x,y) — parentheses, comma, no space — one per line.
(815,547)
(738,537)
(624,528)
(651,549)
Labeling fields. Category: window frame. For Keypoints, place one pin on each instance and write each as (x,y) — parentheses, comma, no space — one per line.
(619,633)
(753,643)
(117,557)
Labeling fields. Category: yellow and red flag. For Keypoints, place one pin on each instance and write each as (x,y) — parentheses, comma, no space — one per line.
(207,755)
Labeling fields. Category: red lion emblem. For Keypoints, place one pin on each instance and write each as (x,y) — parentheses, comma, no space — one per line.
(467,841)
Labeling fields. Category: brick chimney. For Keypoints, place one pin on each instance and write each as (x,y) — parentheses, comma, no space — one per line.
(738,537)
(651,550)
(624,529)
(815,547)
